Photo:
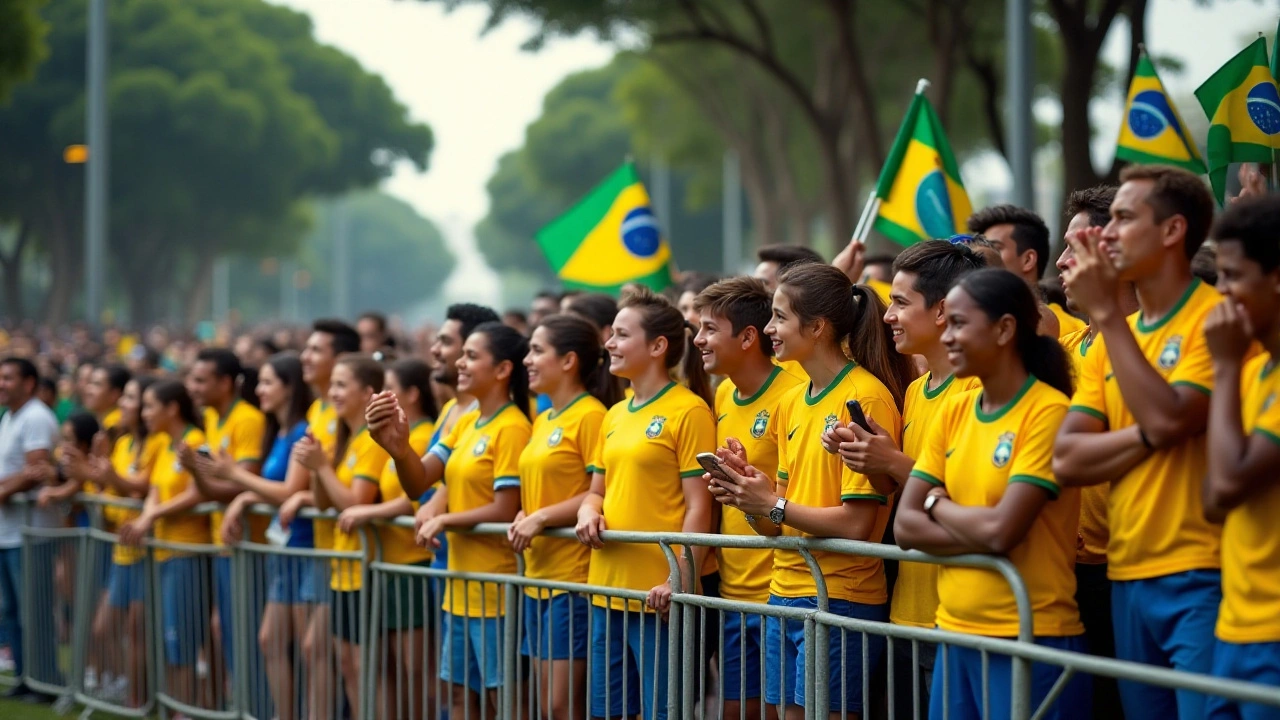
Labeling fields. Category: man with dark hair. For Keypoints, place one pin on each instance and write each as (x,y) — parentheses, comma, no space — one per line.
(1244,448)
(1019,234)
(102,393)
(372,328)
(878,268)
(732,316)
(234,429)
(1091,208)
(1137,421)
(922,275)
(28,434)
(776,258)
(546,302)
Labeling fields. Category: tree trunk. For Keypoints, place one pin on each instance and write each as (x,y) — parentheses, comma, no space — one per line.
(1077,83)
(13,273)
(199,297)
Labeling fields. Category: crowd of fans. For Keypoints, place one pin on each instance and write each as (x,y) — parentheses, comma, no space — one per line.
(1111,431)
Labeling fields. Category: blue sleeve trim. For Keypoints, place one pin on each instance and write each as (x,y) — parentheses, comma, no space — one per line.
(506,482)
(441,451)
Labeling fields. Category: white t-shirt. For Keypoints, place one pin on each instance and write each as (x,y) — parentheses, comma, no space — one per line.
(33,427)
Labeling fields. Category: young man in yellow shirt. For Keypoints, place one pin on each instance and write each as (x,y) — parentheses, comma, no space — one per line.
(922,275)
(1244,449)
(1137,421)
(1088,208)
(732,316)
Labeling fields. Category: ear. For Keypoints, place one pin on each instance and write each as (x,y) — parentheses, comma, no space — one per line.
(503,370)
(1175,230)
(1006,330)
(569,361)
(750,336)
(1029,260)
(658,347)
(940,313)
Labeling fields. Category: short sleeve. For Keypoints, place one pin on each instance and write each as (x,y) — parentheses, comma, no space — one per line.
(1033,456)
(246,438)
(507,447)
(443,447)
(931,466)
(589,438)
(1091,386)
(855,485)
(370,463)
(1195,367)
(596,462)
(41,431)
(695,434)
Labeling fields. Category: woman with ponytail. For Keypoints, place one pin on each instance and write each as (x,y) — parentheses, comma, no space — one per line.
(833,329)
(184,594)
(984,484)
(479,461)
(646,478)
(565,364)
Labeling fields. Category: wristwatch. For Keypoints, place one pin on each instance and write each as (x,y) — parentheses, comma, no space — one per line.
(779,512)
(929,502)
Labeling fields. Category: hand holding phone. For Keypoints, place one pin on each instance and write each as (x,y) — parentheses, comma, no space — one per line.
(856,415)
(713,465)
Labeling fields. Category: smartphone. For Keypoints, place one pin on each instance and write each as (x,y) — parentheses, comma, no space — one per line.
(713,465)
(856,415)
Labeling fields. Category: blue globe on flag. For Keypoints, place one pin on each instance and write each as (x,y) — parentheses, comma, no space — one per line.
(640,234)
(1150,114)
(1264,107)
(933,206)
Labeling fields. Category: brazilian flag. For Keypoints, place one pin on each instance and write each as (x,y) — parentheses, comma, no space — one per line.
(1153,132)
(1243,106)
(921,196)
(609,239)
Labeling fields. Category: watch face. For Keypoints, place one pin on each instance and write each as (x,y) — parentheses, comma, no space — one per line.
(775,516)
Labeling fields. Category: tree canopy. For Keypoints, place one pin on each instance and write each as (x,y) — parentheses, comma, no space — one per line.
(22,47)
(225,114)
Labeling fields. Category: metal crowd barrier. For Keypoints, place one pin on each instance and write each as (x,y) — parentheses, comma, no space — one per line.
(289,658)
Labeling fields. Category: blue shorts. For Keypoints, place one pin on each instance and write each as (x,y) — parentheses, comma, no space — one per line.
(471,654)
(126,584)
(1167,622)
(628,664)
(1251,662)
(556,628)
(184,608)
(786,670)
(292,580)
(962,674)
(740,678)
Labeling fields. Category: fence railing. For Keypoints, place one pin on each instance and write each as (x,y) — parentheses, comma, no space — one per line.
(329,634)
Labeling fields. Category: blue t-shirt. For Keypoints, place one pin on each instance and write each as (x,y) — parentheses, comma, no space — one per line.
(275,467)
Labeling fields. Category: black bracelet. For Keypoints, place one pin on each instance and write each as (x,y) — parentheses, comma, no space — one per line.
(1145,441)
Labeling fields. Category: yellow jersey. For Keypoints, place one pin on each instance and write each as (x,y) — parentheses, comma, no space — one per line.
(915,594)
(1091,545)
(398,544)
(128,463)
(792,367)
(554,468)
(809,475)
(1250,611)
(322,425)
(364,461)
(170,479)
(744,573)
(238,433)
(481,457)
(1155,512)
(976,455)
(647,452)
(1068,324)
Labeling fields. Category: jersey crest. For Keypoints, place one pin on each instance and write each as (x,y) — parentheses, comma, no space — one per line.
(830,422)
(1004,450)
(481,445)
(760,425)
(1170,354)
(654,429)
(555,437)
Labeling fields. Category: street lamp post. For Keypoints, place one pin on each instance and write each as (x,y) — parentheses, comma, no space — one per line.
(96,176)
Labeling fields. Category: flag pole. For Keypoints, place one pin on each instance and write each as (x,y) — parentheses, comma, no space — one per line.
(872,208)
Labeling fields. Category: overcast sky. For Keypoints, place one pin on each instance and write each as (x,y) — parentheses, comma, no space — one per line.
(479,93)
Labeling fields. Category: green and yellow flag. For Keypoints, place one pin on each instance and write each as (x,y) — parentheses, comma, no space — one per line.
(1153,132)
(1243,106)
(921,196)
(609,239)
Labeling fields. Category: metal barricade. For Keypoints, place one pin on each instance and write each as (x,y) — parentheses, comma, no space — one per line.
(110,649)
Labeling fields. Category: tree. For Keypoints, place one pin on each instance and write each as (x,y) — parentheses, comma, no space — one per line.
(224,114)
(22,47)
